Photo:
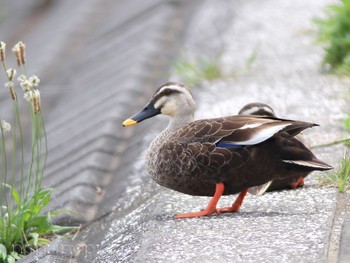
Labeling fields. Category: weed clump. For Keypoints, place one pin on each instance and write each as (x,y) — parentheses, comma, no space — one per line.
(23,227)
(334,34)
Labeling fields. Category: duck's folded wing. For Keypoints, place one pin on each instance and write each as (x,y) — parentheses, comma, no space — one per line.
(236,131)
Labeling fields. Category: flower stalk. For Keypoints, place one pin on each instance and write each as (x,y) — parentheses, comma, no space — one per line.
(2,51)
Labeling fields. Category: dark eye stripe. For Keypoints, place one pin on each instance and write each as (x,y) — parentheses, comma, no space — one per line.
(165,92)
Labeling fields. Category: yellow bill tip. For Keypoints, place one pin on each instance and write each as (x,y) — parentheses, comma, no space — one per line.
(129,122)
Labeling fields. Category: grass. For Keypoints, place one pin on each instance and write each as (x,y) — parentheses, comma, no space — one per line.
(194,70)
(23,226)
(339,178)
(346,125)
(334,34)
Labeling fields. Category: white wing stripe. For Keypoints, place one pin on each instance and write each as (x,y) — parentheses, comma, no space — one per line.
(305,163)
(250,126)
(262,135)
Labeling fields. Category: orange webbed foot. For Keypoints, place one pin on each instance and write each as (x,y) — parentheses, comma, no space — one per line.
(211,208)
(236,205)
(298,183)
(205,212)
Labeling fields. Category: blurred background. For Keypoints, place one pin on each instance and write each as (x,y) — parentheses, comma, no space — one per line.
(98,61)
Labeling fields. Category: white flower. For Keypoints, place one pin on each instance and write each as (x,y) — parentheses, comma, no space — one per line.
(16,48)
(5,126)
(34,80)
(28,83)
(2,46)
(29,95)
(11,73)
(19,50)
(25,83)
(9,84)
(21,78)
(36,93)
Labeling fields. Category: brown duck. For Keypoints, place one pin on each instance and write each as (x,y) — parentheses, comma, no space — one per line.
(294,179)
(220,156)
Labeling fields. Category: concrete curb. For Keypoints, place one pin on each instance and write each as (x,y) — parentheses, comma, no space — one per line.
(344,248)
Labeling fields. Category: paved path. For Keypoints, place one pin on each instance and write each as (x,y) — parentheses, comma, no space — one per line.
(290,226)
(101,62)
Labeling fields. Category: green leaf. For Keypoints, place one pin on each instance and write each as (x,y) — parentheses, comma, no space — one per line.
(16,256)
(43,241)
(38,200)
(16,196)
(57,212)
(3,252)
(333,32)
(37,241)
(40,223)
(346,123)
(63,229)
(11,259)
(34,239)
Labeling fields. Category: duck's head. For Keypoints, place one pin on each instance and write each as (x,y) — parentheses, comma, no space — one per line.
(257,108)
(172,99)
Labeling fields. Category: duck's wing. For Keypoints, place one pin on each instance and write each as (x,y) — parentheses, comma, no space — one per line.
(238,131)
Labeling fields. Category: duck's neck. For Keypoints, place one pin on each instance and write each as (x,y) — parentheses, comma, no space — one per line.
(177,122)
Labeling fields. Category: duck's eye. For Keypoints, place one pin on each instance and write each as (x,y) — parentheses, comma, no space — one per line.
(146,108)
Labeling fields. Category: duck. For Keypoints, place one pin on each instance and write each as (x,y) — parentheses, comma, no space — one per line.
(219,156)
(295,179)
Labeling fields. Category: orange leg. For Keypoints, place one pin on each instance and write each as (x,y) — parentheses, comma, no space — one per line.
(298,183)
(237,203)
(211,208)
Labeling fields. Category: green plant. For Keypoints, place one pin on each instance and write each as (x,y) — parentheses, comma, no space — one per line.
(346,125)
(339,178)
(194,70)
(23,227)
(334,33)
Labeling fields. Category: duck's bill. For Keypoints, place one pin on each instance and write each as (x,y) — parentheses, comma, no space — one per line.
(129,122)
(148,112)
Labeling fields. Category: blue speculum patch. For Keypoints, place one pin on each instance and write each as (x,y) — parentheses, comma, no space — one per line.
(225,144)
